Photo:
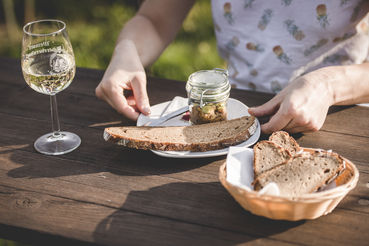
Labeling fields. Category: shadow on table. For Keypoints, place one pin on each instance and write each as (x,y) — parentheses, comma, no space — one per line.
(25,163)
(185,214)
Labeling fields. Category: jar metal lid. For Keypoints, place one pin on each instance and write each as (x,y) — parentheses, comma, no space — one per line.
(208,85)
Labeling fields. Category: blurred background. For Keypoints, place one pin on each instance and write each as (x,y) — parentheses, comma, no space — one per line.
(94,25)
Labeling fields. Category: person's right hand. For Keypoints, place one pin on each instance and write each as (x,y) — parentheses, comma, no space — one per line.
(123,85)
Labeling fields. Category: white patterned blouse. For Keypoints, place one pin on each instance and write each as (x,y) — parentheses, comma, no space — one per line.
(268,43)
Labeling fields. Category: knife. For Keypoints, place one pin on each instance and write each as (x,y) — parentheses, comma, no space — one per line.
(161,120)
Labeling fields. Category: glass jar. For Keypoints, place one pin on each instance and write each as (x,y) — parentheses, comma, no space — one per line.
(208,93)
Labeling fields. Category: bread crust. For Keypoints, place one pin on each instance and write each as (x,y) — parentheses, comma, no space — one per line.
(195,147)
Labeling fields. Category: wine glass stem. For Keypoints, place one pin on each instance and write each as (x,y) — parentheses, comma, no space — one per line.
(54,117)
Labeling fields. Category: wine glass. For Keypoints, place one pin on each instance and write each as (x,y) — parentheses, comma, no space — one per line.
(48,67)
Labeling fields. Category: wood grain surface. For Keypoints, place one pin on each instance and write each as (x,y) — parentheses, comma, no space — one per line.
(108,195)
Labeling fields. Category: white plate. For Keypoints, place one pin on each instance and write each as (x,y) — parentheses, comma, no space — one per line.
(235,109)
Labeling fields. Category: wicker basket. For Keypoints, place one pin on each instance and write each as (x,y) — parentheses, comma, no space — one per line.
(308,206)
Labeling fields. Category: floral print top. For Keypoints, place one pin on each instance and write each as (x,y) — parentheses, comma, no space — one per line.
(267,44)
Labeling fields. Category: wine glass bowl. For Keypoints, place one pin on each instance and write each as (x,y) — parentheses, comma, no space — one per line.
(47,56)
(49,73)
(48,67)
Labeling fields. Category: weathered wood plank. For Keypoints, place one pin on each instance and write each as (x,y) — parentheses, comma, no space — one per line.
(160,196)
(99,184)
(32,237)
(190,202)
(350,120)
(349,146)
(103,225)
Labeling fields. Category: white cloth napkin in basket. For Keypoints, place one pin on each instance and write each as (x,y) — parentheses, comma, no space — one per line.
(240,170)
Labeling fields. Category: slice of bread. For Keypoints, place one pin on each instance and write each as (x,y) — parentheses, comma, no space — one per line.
(267,155)
(197,138)
(284,140)
(302,174)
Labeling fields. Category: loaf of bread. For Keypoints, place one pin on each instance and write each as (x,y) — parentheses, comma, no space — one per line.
(205,137)
(267,155)
(304,173)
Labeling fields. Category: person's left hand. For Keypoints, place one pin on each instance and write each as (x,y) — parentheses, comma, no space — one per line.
(300,107)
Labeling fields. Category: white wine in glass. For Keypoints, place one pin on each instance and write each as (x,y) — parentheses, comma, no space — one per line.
(48,67)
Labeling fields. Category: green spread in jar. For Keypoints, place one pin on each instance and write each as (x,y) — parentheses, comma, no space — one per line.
(211,112)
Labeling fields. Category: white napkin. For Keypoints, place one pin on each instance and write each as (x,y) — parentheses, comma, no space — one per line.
(176,103)
(240,170)
(164,109)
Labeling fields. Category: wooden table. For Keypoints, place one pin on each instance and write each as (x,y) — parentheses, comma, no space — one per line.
(104,194)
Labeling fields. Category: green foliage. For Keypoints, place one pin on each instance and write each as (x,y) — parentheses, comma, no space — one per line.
(4,242)
(94,25)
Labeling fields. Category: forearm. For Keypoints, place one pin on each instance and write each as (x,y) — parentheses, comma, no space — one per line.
(140,38)
(346,85)
(151,30)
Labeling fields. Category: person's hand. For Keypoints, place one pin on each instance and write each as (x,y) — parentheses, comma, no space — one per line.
(123,85)
(300,107)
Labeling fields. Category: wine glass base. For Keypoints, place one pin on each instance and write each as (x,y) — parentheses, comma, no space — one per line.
(57,144)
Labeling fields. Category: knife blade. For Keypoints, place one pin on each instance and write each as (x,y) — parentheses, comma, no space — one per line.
(161,120)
